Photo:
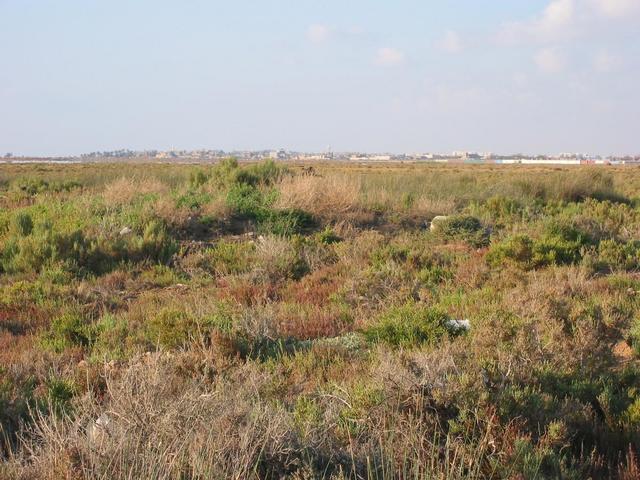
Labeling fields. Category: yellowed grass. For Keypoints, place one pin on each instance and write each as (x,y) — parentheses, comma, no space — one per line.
(124,190)
(429,207)
(326,196)
(165,208)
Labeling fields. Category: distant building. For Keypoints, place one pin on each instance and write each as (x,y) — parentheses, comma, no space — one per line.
(466,155)
(278,154)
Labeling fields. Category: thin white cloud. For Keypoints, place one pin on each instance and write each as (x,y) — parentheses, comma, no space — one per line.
(389,57)
(617,8)
(558,14)
(451,42)
(318,33)
(557,30)
(549,60)
(566,19)
(554,21)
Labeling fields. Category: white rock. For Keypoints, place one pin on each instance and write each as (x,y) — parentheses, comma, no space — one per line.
(125,231)
(464,325)
(100,429)
(436,220)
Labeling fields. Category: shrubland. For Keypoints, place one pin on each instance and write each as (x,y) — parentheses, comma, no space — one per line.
(271,321)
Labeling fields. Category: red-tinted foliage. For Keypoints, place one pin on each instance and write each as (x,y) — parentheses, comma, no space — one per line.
(315,288)
(247,292)
(310,321)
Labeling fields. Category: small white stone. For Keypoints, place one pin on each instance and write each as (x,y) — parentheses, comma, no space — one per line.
(99,430)
(459,324)
(436,220)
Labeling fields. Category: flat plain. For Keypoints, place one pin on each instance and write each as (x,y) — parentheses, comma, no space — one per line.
(328,321)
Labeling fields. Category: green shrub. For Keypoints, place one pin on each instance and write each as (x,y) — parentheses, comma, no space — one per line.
(500,207)
(564,229)
(363,398)
(45,246)
(307,415)
(69,330)
(160,276)
(169,328)
(198,178)
(434,275)
(83,254)
(193,200)
(222,318)
(227,257)
(613,255)
(463,228)
(23,224)
(33,186)
(156,243)
(285,222)
(409,325)
(229,174)
(265,173)
(25,254)
(249,202)
(526,253)
(632,415)
(112,339)
(223,174)
(327,236)
(398,254)
(556,251)
(59,394)
(517,249)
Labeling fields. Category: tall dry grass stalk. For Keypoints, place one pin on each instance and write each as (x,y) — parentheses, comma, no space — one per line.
(154,423)
(157,425)
(430,207)
(124,190)
(325,197)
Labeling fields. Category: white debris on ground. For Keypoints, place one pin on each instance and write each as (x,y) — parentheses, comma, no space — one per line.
(99,430)
(437,220)
(125,231)
(464,325)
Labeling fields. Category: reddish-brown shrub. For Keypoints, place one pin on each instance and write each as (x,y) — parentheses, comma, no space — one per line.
(304,322)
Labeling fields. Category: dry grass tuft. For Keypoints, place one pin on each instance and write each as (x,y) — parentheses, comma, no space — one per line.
(303,322)
(154,424)
(165,208)
(325,197)
(124,190)
(276,257)
(430,207)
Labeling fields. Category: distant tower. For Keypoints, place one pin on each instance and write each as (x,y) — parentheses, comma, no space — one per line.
(329,152)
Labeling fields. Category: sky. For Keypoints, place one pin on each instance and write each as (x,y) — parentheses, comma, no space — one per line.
(503,76)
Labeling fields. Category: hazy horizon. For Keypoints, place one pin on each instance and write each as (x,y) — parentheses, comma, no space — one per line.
(400,77)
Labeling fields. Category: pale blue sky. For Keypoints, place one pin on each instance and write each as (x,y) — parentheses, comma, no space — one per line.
(400,76)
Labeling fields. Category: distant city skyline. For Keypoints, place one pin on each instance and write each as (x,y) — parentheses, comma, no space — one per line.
(532,77)
(288,154)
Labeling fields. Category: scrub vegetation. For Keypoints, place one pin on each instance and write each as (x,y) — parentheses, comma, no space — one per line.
(266,321)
